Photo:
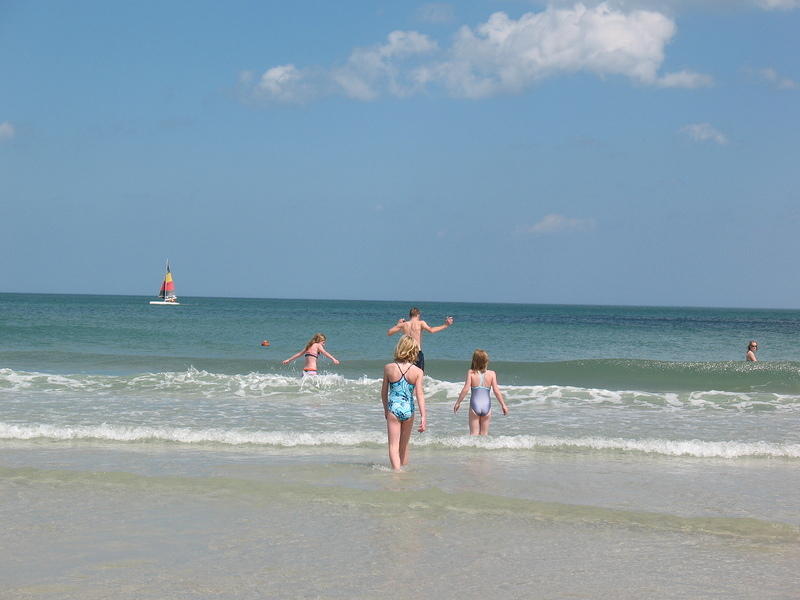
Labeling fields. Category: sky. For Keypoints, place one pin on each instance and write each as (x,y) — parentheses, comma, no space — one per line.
(639,152)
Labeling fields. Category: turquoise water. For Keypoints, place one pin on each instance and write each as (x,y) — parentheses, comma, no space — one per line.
(160,451)
(666,380)
(537,343)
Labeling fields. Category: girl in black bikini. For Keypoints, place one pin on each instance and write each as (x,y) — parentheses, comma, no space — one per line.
(314,347)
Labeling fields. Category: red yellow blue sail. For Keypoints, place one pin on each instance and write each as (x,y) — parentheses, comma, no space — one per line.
(167,286)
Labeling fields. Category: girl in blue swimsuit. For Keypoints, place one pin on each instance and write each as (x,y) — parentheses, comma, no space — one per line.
(479,381)
(402,382)
(314,347)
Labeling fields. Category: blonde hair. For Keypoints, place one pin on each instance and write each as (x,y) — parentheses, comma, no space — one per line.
(480,359)
(406,350)
(318,337)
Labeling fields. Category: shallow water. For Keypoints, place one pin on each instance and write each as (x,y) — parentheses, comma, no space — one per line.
(166,455)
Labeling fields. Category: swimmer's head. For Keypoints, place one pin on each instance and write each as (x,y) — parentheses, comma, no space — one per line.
(414,312)
(480,360)
(406,350)
(319,338)
(753,345)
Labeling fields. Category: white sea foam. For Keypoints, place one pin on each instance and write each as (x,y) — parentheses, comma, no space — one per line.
(194,383)
(696,448)
(184,435)
(289,439)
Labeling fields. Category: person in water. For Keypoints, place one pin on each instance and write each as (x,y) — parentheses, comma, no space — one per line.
(414,328)
(314,347)
(752,348)
(402,381)
(480,380)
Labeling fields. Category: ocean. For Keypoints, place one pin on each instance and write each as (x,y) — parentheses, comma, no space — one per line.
(162,452)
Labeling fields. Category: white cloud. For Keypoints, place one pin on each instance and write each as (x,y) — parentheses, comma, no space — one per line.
(367,73)
(673,6)
(554,223)
(772,77)
(502,55)
(704,132)
(390,67)
(685,79)
(508,55)
(284,83)
(436,12)
(778,4)
(7,131)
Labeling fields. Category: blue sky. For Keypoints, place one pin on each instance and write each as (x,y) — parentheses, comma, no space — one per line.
(627,152)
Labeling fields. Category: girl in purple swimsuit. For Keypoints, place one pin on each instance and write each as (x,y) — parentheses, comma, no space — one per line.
(480,380)
(314,347)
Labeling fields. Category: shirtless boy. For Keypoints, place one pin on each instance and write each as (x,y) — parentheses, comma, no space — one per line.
(414,327)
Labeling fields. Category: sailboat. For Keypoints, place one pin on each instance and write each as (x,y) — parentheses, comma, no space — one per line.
(167,292)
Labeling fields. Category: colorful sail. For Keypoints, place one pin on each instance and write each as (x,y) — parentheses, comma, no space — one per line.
(167,286)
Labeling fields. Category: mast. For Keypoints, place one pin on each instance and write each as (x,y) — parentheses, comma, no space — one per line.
(162,293)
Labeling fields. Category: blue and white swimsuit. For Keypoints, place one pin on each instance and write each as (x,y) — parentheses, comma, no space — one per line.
(480,401)
(401,397)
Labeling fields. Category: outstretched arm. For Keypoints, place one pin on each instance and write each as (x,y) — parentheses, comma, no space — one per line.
(447,322)
(462,394)
(293,356)
(328,354)
(396,328)
(499,395)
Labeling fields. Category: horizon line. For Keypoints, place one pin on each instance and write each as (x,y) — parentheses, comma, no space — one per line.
(413,302)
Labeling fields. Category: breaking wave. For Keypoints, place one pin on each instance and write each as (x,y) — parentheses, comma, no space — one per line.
(291,439)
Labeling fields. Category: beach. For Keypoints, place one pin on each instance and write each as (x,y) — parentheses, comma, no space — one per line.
(161,452)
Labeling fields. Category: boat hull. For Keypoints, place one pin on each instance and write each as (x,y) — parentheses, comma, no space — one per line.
(162,302)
